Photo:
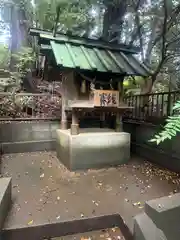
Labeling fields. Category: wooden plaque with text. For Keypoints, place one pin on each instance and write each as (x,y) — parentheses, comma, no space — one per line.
(106,98)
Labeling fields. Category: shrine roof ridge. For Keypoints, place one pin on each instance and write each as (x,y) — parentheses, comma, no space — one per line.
(45,36)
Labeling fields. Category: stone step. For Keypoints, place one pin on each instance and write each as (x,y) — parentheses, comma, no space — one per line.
(145,229)
(5,199)
(164,210)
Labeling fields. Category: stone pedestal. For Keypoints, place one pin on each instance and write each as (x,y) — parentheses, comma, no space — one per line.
(92,148)
(160,220)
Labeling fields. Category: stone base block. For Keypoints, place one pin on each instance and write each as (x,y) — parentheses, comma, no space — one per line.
(160,220)
(92,148)
(145,229)
(5,199)
(161,209)
(165,213)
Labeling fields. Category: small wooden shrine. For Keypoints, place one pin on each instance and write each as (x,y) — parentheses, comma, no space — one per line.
(80,63)
(91,74)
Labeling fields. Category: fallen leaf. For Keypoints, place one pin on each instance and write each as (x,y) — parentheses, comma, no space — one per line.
(31,222)
(135,204)
(42,175)
(114,229)
(126,188)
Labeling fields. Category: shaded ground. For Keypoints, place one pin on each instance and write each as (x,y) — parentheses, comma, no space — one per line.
(45,191)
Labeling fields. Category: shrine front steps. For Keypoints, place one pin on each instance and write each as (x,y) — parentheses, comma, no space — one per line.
(160,221)
(5,200)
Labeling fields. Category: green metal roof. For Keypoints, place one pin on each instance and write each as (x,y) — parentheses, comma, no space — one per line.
(96,59)
(88,54)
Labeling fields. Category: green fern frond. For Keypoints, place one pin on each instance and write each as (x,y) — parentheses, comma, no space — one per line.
(171,128)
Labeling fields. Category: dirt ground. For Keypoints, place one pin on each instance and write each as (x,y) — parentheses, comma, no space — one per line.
(45,191)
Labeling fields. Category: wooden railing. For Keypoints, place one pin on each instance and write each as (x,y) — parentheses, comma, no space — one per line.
(22,106)
(154,107)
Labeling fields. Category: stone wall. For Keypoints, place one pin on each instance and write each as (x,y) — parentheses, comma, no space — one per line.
(166,154)
(16,136)
(29,136)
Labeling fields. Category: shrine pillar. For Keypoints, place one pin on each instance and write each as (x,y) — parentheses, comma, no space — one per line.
(45,72)
(64,122)
(102,119)
(75,123)
(119,123)
(69,93)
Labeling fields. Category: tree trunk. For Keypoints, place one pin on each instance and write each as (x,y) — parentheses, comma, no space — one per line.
(14,36)
(19,33)
(113,17)
(147,86)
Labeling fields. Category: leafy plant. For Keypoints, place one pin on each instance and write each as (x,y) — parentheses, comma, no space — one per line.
(24,60)
(4,56)
(171,128)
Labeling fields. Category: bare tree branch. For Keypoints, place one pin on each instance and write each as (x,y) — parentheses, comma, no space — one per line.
(164,49)
(137,32)
(169,24)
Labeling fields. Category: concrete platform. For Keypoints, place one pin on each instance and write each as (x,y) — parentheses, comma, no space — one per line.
(92,148)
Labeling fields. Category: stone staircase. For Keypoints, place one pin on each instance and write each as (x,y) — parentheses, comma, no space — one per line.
(160,221)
